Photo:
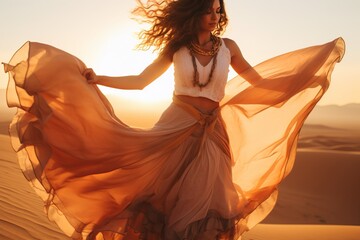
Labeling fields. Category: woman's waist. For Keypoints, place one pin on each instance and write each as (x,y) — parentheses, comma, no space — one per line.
(203,104)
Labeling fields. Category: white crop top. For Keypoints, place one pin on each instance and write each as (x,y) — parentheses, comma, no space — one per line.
(184,74)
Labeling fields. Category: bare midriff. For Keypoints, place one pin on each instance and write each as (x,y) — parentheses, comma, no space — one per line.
(203,104)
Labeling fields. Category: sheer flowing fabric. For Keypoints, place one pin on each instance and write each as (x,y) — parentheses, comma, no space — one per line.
(192,176)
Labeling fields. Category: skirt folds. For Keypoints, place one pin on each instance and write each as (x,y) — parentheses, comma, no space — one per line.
(191,176)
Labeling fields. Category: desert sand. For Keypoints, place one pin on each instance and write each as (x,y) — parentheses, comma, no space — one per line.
(319,200)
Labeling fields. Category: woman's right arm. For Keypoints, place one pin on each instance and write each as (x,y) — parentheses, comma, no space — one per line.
(147,76)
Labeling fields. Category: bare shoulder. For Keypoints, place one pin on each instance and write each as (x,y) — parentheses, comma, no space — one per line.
(231,45)
(229,42)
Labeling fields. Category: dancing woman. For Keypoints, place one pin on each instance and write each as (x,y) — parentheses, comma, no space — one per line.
(208,169)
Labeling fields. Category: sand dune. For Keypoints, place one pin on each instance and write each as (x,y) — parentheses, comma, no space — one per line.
(302,232)
(323,188)
(21,211)
(322,137)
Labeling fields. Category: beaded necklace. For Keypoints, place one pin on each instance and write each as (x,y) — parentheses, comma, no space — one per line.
(196,48)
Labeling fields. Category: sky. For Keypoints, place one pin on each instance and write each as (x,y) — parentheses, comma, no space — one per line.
(103,35)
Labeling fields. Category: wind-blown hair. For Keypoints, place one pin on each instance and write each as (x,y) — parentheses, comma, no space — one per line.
(174,23)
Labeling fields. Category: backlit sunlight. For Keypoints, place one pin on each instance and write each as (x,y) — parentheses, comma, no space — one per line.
(118,57)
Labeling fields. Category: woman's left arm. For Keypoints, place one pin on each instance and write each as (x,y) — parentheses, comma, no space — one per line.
(240,65)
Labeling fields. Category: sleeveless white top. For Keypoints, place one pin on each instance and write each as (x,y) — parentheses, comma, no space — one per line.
(184,74)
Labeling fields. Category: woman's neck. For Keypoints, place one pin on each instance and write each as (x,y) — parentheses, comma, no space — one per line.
(203,37)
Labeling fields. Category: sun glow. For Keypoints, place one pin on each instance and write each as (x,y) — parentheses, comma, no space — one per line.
(118,57)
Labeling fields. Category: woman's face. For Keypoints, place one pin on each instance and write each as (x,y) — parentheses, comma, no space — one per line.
(210,19)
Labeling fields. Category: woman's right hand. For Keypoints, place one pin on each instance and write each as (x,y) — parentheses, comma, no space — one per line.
(90,75)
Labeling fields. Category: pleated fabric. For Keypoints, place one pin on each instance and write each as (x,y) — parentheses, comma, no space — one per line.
(191,176)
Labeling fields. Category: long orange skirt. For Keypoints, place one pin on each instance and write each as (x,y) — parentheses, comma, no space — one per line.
(191,176)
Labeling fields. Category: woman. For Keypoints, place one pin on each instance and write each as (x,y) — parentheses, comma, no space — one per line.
(208,169)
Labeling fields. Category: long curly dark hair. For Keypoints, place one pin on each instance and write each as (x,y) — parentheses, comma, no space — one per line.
(174,23)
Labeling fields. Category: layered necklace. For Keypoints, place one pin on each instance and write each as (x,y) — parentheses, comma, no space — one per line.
(196,48)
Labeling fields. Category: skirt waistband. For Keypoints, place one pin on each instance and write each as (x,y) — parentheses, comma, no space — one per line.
(206,120)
